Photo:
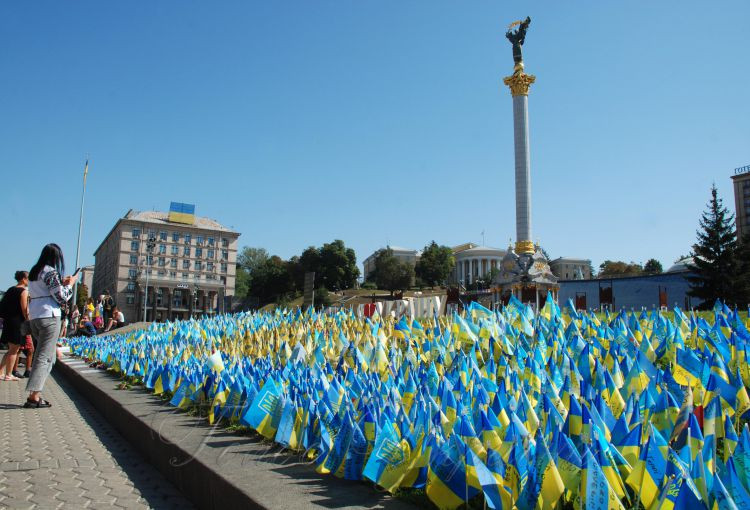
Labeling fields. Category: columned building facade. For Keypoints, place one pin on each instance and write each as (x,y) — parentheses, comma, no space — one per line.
(185,269)
(475,262)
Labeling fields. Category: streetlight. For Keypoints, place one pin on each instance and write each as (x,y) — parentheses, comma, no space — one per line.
(150,244)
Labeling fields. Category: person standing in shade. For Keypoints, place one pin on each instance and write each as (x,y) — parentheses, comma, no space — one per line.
(109,305)
(48,290)
(15,306)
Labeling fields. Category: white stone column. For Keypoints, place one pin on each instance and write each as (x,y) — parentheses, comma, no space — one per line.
(523,167)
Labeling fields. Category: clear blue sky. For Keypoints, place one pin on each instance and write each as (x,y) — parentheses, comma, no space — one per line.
(370,121)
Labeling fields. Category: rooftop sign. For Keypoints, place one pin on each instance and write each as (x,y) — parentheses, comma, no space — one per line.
(182,213)
(742,170)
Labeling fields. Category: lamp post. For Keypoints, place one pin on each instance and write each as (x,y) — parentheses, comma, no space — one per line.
(150,244)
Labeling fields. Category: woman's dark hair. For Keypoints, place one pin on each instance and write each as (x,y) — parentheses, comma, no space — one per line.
(20,275)
(51,256)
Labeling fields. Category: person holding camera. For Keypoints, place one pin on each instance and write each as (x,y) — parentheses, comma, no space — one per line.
(49,291)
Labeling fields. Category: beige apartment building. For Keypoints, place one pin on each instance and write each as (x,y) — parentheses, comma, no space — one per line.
(190,270)
(741,184)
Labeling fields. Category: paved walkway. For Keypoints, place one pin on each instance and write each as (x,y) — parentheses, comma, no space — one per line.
(68,456)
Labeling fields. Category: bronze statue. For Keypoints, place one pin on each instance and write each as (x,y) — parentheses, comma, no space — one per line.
(516,38)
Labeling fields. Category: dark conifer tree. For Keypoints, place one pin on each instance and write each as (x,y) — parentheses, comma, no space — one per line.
(715,266)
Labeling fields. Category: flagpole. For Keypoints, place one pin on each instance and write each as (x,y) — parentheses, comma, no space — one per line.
(80,227)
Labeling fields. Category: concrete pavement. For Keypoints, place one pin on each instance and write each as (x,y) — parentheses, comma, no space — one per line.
(68,456)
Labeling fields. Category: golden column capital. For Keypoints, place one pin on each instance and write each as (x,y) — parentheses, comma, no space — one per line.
(524,247)
(519,83)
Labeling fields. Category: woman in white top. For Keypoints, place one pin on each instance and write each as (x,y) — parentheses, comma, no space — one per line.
(48,290)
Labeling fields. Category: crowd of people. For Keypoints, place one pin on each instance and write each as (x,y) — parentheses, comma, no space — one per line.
(36,313)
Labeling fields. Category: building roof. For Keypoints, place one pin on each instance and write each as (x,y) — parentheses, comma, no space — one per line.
(569,259)
(479,250)
(161,218)
(681,265)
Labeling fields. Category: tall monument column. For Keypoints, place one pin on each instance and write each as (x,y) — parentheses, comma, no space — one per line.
(519,84)
(524,271)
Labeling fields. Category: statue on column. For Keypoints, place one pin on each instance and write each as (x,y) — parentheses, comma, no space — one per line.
(517,38)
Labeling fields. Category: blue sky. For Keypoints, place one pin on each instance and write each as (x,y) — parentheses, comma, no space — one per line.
(374,122)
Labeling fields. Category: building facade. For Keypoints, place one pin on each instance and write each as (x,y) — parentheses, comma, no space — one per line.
(741,182)
(190,269)
(631,292)
(474,262)
(87,277)
(569,268)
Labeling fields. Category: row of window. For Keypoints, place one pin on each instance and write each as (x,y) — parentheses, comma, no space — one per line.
(186,264)
(210,252)
(173,275)
(187,237)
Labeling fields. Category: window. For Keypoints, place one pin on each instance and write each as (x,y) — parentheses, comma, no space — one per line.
(132,274)
(184,276)
(223,267)
(159,296)
(199,240)
(185,264)
(198,265)
(188,237)
(209,266)
(130,299)
(162,248)
(210,277)
(161,273)
(186,251)
(224,254)
(150,260)
(199,252)
(134,245)
(177,299)
(162,236)
(224,242)
(175,250)
(173,263)
(173,274)
(130,287)
(134,259)
(136,233)
(223,280)
(197,276)
(162,261)
(152,233)
(175,237)
(210,254)
(210,241)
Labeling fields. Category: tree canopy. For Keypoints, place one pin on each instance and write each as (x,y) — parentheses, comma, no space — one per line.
(334,265)
(615,268)
(435,264)
(653,266)
(390,273)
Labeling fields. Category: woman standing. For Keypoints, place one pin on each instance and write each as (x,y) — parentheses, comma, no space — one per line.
(48,292)
(18,311)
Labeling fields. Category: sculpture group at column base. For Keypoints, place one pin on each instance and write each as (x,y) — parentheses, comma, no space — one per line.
(525,273)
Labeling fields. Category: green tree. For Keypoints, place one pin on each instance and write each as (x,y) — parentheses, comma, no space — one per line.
(251,258)
(334,265)
(82,296)
(435,264)
(271,281)
(715,267)
(653,266)
(241,283)
(616,268)
(390,273)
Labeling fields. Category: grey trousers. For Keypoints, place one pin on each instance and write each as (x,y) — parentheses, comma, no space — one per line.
(46,332)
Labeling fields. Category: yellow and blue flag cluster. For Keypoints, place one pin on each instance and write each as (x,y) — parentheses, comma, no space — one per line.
(511,407)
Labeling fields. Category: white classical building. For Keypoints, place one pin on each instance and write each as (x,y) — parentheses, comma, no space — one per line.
(474,262)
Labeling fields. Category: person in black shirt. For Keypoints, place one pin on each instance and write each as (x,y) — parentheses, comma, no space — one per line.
(15,309)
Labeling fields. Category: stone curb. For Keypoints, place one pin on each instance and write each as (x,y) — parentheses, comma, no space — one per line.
(200,484)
